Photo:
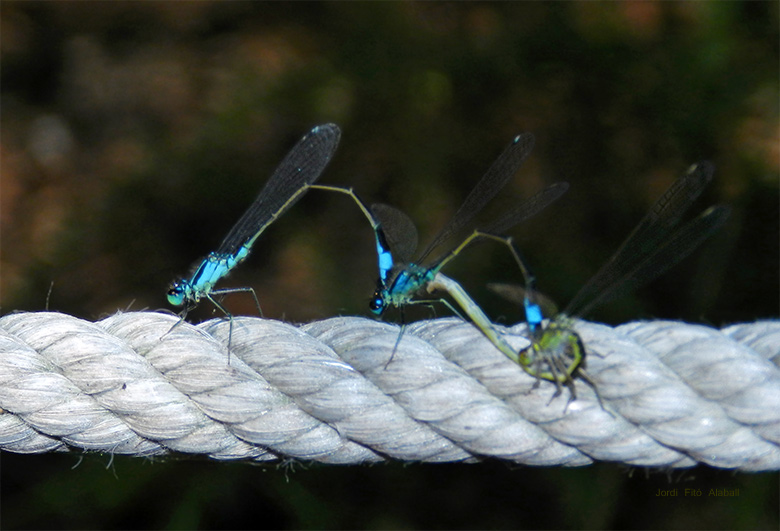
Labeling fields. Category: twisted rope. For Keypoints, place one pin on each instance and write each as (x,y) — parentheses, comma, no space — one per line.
(675,394)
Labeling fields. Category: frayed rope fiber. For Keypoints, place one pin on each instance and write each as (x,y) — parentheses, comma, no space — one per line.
(674,394)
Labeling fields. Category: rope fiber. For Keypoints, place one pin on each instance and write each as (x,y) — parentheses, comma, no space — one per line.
(674,394)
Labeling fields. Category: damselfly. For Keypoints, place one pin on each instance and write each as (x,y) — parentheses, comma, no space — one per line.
(401,280)
(557,352)
(291,180)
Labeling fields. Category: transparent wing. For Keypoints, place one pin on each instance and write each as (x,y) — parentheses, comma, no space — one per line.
(516,294)
(301,167)
(676,247)
(527,209)
(654,246)
(398,230)
(499,173)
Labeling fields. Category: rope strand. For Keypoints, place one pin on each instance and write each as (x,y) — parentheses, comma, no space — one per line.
(675,394)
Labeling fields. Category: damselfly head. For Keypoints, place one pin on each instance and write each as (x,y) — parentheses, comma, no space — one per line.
(556,354)
(177,293)
(377,303)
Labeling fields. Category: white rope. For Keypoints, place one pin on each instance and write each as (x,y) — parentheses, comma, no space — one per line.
(675,394)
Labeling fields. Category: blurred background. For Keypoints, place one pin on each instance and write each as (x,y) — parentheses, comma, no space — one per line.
(134,134)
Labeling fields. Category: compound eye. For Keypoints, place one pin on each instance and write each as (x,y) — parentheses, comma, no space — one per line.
(176,294)
(376,305)
(526,356)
